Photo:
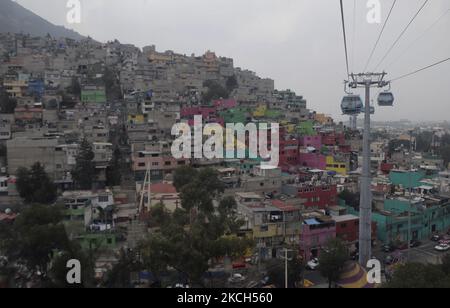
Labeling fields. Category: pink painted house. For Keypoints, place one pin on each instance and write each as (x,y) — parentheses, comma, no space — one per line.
(204,111)
(311,141)
(223,104)
(315,234)
(312,160)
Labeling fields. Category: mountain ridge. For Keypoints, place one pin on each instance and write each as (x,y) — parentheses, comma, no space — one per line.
(15,18)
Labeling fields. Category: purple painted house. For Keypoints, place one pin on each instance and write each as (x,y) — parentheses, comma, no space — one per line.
(315,234)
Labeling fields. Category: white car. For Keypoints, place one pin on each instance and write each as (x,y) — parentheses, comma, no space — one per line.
(313,264)
(442,247)
(236,278)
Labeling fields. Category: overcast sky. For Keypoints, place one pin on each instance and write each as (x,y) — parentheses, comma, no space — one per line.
(298,43)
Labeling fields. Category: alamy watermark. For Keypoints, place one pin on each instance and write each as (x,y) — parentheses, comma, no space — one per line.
(235,141)
(74,14)
(74,274)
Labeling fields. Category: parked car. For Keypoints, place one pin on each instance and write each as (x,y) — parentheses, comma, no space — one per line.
(415,244)
(313,264)
(388,248)
(236,278)
(442,247)
(436,238)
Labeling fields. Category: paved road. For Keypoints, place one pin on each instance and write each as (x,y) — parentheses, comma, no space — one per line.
(423,254)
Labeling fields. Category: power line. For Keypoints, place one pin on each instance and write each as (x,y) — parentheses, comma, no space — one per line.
(345,37)
(419,37)
(354,35)
(420,70)
(380,35)
(402,33)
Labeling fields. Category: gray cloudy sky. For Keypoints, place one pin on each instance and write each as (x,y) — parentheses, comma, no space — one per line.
(296,42)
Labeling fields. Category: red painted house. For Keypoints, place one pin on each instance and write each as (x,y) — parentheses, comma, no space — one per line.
(319,196)
(289,154)
(347,228)
(333,139)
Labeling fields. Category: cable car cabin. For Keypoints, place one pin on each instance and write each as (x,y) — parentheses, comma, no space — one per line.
(352,105)
(372,110)
(386,99)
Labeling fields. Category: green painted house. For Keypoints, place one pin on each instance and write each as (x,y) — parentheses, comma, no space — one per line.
(407,179)
(93,94)
(429,216)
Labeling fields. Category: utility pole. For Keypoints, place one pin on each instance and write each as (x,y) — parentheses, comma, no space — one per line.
(286,259)
(366,81)
(410,194)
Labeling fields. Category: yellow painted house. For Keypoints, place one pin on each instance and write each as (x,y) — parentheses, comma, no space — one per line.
(260,111)
(136,119)
(336,166)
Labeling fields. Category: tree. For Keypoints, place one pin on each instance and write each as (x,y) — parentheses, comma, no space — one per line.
(58,270)
(420,276)
(84,171)
(396,144)
(183,176)
(120,275)
(198,188)
(215,91)
(38,234)
(7,104)
(350,198)
(231,83)
(113,171)
(75,87)
(276,272)
(332,260)
(445,153)
(35,186)
(423,141)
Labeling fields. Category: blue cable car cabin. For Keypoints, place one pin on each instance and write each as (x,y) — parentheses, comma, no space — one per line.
(386,99)
(352,105)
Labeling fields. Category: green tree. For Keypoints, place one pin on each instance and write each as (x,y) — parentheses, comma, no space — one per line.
(39,234)
(350,198)
(215,91)
(276,272)
(445,153)
(120,275)
(231,83)
(35,186)
(75,87)
(113,171)
(420,276)
(84,170)
(332,260)
(7,104)
(183,176)
(423,141)
(58,270)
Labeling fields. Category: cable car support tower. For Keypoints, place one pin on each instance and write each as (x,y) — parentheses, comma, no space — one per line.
(366,81)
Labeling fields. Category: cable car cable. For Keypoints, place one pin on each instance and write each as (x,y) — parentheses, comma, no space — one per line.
(345,37)
(419,38)
(380,35)
(420,70)
(402,33)
(354,35)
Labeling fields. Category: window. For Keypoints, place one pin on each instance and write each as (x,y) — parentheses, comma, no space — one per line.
(343,226)
(167,163)
(103,199)
(141,164)
(155,164)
